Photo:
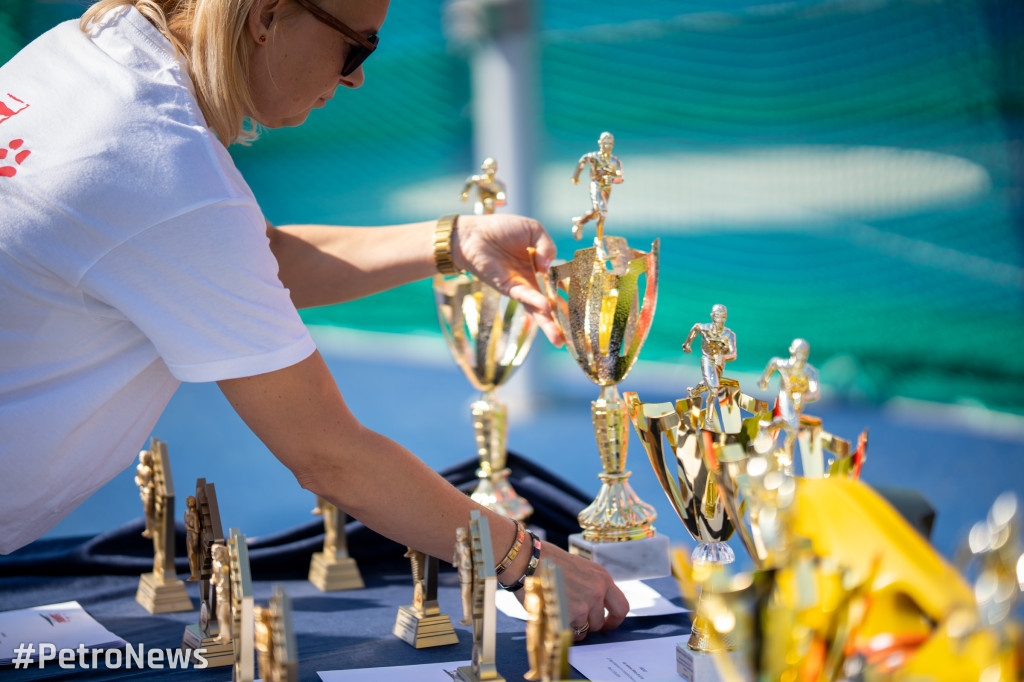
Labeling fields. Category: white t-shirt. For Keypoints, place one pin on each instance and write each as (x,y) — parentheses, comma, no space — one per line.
(133,256)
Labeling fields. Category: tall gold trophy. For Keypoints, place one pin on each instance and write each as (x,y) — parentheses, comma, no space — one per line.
(605,317)
(489,336)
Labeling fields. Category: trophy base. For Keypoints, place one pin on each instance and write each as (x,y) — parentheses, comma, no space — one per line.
(331,575)
(694,666)
(423,631)
(628,560)
(467,674)
(215,653)
(162,596)
(497,494)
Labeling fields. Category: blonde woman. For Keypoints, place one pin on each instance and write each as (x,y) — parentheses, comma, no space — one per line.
(133,256)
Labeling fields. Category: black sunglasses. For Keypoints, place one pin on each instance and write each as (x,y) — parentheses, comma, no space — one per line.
(358,53)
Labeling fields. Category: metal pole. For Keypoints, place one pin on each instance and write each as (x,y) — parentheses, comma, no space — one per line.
(498,38)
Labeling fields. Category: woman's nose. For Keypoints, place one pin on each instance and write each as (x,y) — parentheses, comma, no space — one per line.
(354,79)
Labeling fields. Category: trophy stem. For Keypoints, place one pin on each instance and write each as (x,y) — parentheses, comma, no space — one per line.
(490,426)
(611,424)
(711,557)
(493,489)
(617,514)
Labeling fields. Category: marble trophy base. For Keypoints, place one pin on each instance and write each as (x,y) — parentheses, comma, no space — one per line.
(629,559)
(422,631)
(215,653)
(695,666)
(330,575)
(162,596)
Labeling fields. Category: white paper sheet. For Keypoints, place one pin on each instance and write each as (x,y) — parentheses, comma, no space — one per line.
(427,672)
(643,660)
(644,600)
(65,625)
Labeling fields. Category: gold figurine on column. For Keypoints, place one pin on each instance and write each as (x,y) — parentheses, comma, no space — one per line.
(333,568)
(548,631)
(605,316)
(481,612)
(208,534)
(276,650)
(160,590)
(421,623)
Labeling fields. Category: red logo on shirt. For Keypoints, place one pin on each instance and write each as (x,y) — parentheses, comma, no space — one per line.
(9,106)
(19,156)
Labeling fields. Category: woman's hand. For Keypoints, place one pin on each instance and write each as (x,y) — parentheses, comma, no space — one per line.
(590,592)
(495,249)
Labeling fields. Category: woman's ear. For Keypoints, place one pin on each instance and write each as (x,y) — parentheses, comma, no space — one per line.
(261,16)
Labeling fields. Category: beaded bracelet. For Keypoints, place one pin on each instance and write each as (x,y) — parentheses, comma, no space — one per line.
(513,551)
(530,568)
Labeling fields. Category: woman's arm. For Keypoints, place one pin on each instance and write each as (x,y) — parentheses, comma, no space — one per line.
(322,265)
(325,264)
(300,415)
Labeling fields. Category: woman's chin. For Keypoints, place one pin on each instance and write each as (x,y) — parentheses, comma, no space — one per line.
(283,121)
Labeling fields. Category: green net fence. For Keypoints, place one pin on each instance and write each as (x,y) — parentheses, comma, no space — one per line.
(846,171)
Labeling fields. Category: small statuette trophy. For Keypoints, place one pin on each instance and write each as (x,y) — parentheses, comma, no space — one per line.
(159,591)
(605,320)
(605,171)
(548,631)
(232,589)
(333,569)
(276,650)
(421,623)
(490,192)
(489,335)
(204,538)
(480,609)
(240,615)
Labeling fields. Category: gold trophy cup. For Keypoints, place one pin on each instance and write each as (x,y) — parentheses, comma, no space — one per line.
(605,317)
(671,437)
(489,335)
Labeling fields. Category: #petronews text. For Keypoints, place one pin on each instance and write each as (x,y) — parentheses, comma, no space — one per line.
(86,658)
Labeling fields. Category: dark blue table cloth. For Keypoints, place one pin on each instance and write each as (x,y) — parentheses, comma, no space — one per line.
(337,630)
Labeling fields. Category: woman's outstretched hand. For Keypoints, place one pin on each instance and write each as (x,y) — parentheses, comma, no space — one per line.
(495,248)
(596,604)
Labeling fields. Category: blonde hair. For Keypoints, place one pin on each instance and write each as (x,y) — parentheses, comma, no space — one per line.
(211,36)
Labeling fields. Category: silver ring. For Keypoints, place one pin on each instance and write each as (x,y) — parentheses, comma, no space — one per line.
(581,630)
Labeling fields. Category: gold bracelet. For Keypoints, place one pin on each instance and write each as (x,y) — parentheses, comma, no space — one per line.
(530,567)
(443,245)
(513,551)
